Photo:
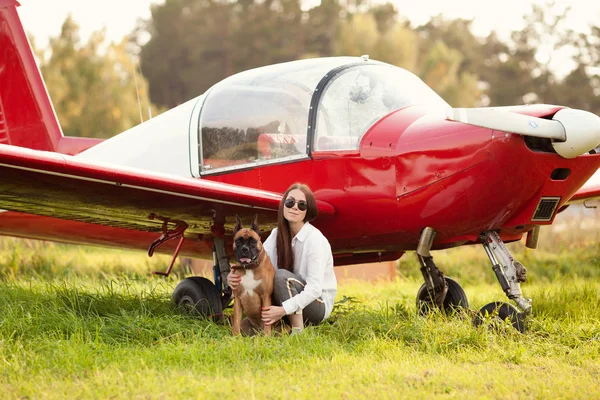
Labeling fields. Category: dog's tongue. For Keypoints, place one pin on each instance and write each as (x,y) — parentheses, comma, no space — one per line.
(245,260)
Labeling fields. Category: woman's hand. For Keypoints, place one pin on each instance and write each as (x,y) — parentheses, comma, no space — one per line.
(233,279)
(272,314)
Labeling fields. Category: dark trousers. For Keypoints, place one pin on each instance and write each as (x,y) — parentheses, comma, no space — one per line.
(286,285)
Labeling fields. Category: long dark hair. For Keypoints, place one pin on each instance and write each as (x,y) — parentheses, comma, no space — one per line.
(285,256)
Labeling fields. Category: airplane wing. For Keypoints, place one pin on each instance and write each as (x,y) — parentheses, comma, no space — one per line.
(589,191)
(65,187)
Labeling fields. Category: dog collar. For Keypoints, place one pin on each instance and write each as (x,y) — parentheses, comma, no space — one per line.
(252,265)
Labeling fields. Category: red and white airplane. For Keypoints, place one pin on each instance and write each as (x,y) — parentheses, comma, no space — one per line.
(393,166)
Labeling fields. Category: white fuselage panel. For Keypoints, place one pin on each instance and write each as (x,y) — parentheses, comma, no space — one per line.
(161,144)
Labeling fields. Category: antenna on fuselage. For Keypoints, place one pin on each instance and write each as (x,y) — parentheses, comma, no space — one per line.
(139,64)
(137,90)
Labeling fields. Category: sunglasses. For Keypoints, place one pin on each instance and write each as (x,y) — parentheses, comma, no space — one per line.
(290,201)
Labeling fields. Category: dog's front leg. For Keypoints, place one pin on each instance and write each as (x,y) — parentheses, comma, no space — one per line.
(265,301)
(237,314)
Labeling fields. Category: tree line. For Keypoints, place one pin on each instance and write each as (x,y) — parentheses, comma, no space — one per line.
(100,89)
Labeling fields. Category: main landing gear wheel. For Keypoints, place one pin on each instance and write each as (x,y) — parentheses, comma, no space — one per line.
(199,297)
(455,299)
(497,312)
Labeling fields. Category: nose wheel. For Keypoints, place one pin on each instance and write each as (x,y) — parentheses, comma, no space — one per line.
(497,313)
(510,274)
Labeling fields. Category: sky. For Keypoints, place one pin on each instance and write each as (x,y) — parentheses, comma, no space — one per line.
(43,18)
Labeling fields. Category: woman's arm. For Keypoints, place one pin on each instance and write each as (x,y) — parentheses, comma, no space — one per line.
(318,259)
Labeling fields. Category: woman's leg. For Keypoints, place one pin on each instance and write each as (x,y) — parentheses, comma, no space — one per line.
(285,286)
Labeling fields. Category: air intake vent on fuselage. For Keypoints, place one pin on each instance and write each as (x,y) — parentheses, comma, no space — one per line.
(545,209)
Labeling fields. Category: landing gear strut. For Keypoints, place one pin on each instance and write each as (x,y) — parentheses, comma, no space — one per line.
(199,296)
(438,290)
(221,268)
(510,273)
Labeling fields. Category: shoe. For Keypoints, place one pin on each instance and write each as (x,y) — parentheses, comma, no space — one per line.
(296,331)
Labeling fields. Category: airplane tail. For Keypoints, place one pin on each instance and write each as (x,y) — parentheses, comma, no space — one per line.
(27,117)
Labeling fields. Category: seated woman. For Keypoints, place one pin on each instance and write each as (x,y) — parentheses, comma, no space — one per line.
(305,285)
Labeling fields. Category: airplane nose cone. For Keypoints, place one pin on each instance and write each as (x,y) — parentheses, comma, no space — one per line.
(582,130)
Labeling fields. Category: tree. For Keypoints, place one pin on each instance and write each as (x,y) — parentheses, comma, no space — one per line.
(456,34)
(441,71)
(579,90)
(358,35)
(398,46)
(195,44)
(386,16)
(392,43)
(266,32)
(524,70)
(187,50)
(92,89)
(322,29)
(449,60)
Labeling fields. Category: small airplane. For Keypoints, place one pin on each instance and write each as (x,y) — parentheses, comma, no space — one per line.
(394,169)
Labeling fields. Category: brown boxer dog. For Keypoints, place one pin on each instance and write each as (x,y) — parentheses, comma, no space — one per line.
(257,272)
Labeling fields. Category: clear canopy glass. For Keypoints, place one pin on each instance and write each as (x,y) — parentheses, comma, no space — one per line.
(261,115)
(361,95)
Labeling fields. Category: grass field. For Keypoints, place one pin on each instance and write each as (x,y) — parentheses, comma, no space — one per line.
(78,322)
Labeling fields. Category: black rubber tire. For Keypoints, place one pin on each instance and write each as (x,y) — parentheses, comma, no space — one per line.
(498,311)
(199,297)
(455,301)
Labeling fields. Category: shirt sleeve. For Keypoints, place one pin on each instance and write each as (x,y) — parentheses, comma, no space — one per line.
(318,256)
(270,246)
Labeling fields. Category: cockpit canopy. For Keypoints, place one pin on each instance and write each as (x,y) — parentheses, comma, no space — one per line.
(262,115)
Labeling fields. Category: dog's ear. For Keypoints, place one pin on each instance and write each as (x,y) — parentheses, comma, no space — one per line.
(238,224)
(255,223)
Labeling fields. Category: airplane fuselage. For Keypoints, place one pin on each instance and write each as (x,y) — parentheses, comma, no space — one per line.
(411,172)
(412,169)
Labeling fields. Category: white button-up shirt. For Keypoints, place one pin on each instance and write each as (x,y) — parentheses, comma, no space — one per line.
(313,262)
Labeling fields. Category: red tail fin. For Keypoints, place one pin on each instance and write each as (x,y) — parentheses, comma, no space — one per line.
(27,118)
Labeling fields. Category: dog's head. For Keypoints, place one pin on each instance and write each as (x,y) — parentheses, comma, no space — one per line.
(246,242)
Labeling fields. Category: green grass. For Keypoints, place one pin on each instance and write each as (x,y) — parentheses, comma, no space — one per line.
(78,322)
(120,339)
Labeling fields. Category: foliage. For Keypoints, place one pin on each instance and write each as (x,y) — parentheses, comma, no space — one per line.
(92,85)
(48,260)
(196,44)
(322,29)
(464,69)
(440,71)
(361,34)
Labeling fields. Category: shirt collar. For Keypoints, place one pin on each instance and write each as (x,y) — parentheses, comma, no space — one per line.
(304,231)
